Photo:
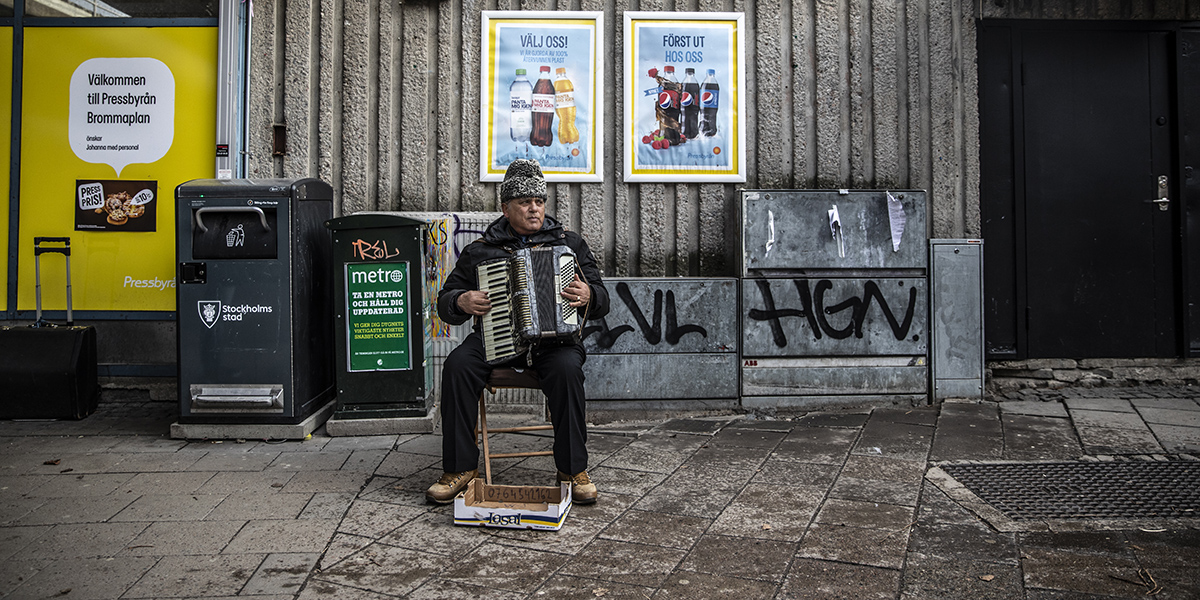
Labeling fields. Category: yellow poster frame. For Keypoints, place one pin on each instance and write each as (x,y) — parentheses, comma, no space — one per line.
(6,79)
(115,271)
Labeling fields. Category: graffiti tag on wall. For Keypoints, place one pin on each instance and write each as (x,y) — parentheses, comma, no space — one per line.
(826,317)
(666,315)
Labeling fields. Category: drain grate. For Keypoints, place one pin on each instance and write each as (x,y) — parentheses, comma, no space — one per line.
(1085,490)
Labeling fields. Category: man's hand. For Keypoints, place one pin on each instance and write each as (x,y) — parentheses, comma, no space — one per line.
(577,293)
(474,302)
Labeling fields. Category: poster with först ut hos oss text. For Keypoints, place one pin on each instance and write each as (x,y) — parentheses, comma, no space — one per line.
(540,97)
(684,93)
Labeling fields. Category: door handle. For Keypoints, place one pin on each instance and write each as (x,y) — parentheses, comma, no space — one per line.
(1163,201)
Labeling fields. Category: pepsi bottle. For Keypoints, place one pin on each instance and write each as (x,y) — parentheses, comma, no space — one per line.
(689,102)
(668,101)
(710,100)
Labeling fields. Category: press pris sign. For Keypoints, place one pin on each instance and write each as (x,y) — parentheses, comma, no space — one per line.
(378,317)
(115,205)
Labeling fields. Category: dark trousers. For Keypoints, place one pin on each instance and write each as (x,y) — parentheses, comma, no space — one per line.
(464,377)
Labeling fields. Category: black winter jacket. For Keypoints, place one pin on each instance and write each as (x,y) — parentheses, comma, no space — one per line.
(499,241)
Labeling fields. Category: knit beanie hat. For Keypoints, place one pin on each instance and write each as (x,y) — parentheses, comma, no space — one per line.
(523,179)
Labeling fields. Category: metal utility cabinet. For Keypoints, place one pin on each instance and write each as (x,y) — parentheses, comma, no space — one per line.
(834,298)
(956,309)
(255,314)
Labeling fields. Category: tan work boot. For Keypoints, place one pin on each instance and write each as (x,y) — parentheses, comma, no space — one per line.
(583,491)
(446,488)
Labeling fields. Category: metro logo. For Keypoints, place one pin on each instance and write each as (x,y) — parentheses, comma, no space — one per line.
(380,275)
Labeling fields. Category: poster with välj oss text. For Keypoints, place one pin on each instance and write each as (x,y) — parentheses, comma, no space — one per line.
(540,94)
(684,93)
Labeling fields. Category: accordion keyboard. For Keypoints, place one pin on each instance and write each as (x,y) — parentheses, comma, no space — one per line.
(499,343)
(566,275)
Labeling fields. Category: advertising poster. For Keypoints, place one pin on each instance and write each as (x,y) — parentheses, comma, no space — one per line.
(115,205)
(684,93)
(377,322)
(540,95)
(115,117)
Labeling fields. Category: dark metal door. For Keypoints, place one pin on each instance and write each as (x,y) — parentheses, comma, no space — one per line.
(1099,272)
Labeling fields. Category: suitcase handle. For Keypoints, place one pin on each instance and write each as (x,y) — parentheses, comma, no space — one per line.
(65,249)
(38,250)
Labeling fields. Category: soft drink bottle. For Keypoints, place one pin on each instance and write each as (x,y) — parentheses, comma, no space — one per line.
(689,102)
(543,110)
(564,104)
(520,117)
(710,100)
(668,101)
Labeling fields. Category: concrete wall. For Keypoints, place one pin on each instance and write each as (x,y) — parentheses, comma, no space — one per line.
(381,99)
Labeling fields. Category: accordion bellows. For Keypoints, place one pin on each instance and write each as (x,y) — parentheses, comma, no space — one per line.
(527,303)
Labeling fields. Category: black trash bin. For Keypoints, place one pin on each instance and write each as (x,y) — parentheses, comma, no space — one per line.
(381,311)
(255,300)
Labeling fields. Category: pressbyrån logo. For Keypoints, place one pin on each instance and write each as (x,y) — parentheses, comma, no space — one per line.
(210,311)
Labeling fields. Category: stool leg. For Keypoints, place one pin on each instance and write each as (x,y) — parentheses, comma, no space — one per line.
(487,454)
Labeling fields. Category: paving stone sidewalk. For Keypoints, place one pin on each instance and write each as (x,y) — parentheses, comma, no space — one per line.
(820,505)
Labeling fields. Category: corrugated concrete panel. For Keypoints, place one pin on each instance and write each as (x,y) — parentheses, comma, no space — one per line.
(773,153)
(419,101)
(830,101)
(834,317)
(261,102)
(329,163)
(357,130)
(859,135)
(381,99)
(885,106)
(387,163)
(301,80)
(803,74)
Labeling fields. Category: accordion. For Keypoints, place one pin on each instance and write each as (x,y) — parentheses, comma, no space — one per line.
(527,304)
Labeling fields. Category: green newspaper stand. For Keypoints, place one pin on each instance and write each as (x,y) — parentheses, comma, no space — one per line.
(381,309)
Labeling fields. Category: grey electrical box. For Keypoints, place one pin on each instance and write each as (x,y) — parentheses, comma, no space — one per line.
(956,309)
(834,298)
(665,338)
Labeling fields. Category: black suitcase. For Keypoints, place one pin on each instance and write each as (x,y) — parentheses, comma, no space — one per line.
(48,371)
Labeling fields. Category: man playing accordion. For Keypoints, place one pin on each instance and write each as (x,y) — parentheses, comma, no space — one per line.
(559,366)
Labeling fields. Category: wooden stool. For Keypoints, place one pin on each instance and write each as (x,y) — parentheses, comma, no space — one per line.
(506,378)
